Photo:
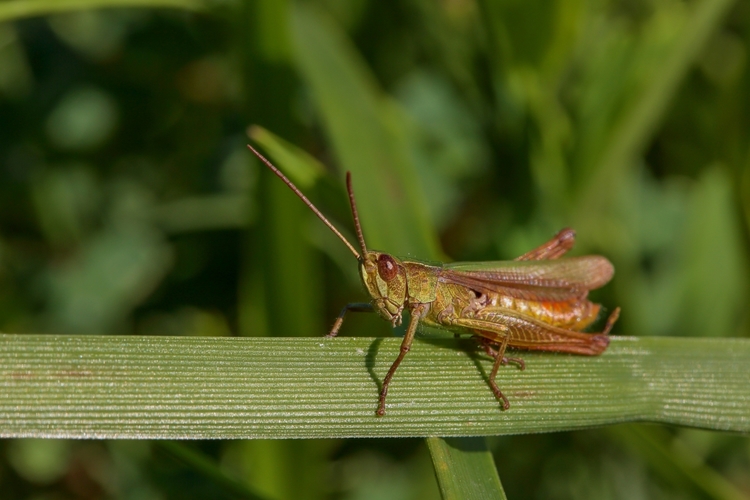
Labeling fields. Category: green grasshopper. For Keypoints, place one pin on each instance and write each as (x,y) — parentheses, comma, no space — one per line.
(535,302)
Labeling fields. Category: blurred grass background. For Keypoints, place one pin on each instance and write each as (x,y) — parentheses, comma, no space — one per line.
(474,131)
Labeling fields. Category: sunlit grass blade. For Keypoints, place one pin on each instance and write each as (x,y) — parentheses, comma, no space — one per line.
(214,388)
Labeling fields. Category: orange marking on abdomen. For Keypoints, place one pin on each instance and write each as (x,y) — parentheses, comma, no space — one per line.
(572,315)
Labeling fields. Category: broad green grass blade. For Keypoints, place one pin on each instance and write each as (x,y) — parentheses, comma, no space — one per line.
(18,9)
(214,388)
(465,469)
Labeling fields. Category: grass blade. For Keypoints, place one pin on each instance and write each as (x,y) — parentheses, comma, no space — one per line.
(216,388)
(465,468)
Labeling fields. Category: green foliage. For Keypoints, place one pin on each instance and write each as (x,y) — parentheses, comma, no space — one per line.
(474,130)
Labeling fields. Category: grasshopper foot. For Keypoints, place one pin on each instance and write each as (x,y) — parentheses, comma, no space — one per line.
(499,395)
(381,406)
(517,361)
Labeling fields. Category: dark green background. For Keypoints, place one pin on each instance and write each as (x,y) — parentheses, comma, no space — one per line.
(129,204)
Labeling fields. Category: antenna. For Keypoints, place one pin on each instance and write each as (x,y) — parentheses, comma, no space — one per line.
(353,204)
(315,209)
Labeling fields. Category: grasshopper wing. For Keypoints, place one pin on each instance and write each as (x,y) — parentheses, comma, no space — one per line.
(542,280)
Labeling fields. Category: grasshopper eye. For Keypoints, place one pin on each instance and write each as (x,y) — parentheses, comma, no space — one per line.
(387,268)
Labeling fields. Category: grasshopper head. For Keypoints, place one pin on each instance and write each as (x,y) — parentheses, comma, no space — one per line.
(385,279)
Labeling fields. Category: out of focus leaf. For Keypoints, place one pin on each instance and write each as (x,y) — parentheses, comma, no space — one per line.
(84,119)
(351,107)
(298,165)
(116,270)
(16,9)
(16,79)
(657,78)
(675,462)
(41,461)
(208,468)
(200,213)
(445,143)
(66,199)
(112,270)
(713,275)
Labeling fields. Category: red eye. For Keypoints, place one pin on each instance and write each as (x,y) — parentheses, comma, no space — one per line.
(387,268)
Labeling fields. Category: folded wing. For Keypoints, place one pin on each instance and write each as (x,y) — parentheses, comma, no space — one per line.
(542,280)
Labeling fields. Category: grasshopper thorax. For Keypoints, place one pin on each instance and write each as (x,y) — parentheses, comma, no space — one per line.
(384,277)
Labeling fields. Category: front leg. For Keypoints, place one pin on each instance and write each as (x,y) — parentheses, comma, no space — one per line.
(355,307)
(416,314)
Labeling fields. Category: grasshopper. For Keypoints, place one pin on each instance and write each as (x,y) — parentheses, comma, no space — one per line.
(535,302)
